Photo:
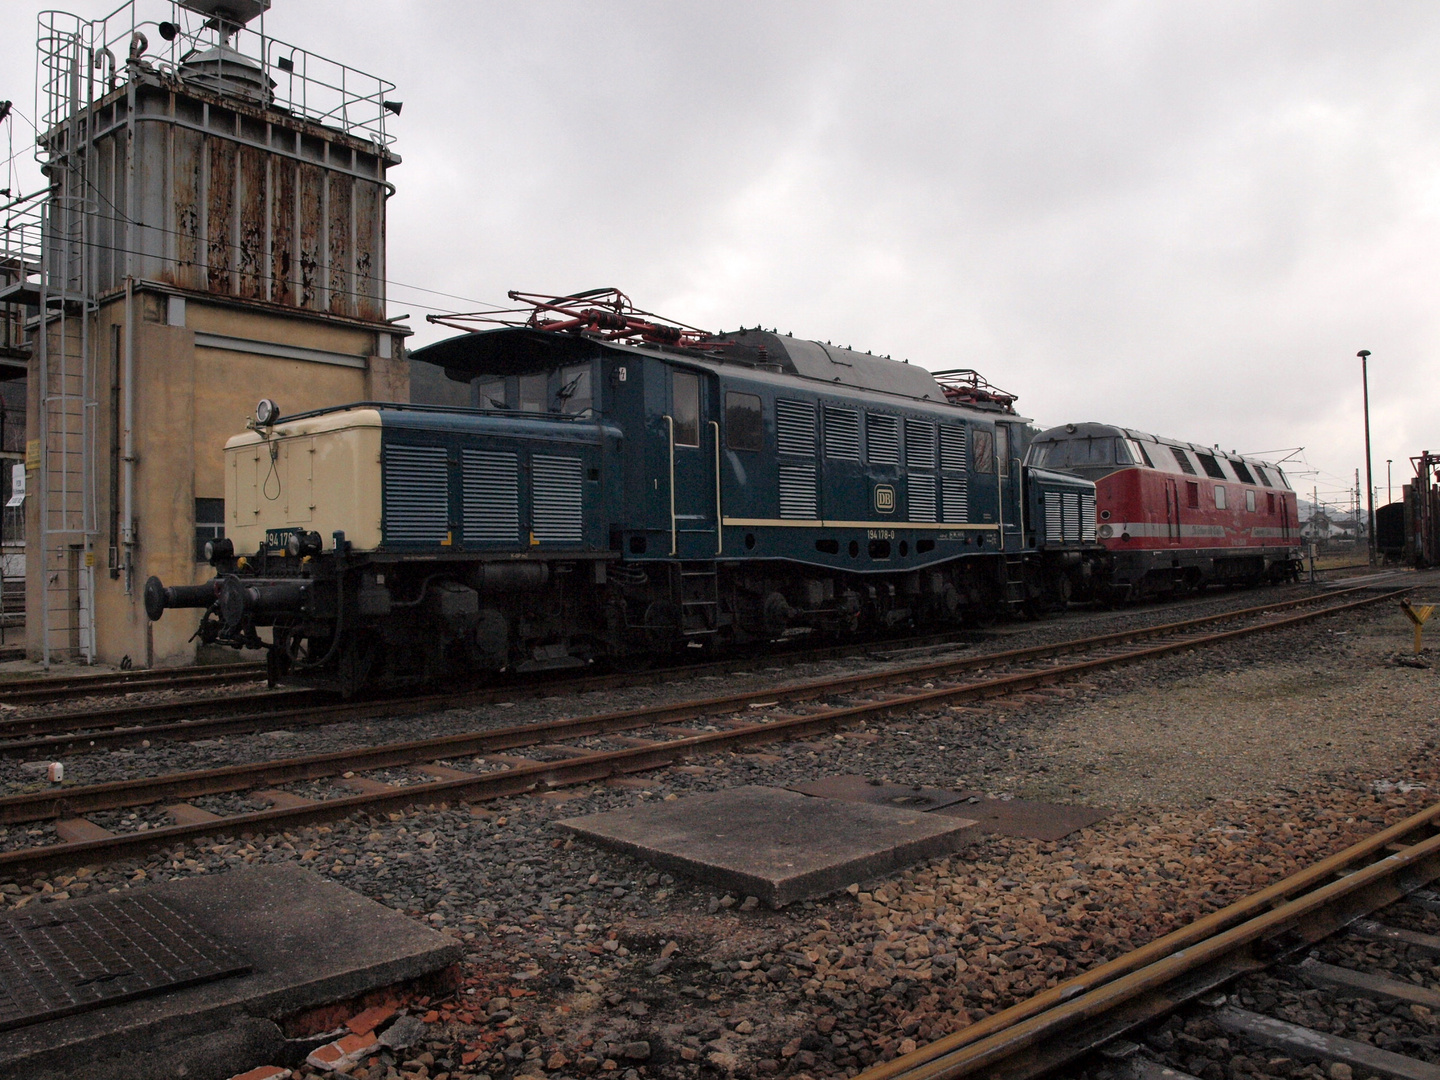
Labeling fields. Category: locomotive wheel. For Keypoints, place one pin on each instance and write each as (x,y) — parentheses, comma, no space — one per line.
(662,624)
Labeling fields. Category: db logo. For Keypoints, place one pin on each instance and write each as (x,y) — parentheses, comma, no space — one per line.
(884,499)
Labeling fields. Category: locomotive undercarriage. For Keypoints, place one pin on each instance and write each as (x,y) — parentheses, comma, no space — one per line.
(354,622)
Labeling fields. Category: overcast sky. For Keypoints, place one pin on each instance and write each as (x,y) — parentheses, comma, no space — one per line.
(1183,217)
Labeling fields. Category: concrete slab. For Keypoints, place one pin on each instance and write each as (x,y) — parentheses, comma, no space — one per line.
(1019,817)
(76,830)
(779,846)
(309,942)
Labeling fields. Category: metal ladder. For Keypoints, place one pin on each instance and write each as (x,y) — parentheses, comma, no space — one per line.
(1016,592)
(699,585)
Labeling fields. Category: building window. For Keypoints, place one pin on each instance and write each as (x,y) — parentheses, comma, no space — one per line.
(1219,496)
(685,405)
(209,524)
(744,426)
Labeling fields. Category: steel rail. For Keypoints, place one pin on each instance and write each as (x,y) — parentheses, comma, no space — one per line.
(518,780)
(117,794)
(36,691)
(1060,1024)
(127,726)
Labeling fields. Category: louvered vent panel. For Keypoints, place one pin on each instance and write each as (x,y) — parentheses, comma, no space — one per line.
(1087,518)
(1054,533)
(1070,502)
(882,439)
(492,497)
(556,499)
(795,428)
(842,434)
(797,492)
(952,448)
(922,497)
(954,500)
(417,494)
(919,444)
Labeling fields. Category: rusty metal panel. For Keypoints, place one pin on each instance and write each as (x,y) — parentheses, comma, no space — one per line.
(340,244)
(310,213)
(250,251)
(220,215)
(187,178)
(369,268)
(282,230)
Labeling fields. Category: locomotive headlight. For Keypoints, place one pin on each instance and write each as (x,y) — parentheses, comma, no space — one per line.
(266,413)
(222,548)
(1106,532)
(304,543)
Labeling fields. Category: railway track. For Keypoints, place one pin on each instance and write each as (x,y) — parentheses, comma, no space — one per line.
(56,735)
(69,687)
(611,744)
(1273,928)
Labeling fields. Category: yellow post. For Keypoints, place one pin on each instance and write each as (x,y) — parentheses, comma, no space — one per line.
(1417,615)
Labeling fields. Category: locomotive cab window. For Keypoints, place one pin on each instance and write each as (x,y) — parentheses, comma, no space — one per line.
(744,425)
(573,393)
(1144,454)
(490,394)
(1002,448)
(685,407)
(982,450)
(533,392)
(1123,456)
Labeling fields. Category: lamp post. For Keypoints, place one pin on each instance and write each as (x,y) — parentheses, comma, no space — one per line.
(1364,355)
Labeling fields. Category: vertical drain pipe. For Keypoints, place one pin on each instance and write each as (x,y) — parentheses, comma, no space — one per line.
(127,454)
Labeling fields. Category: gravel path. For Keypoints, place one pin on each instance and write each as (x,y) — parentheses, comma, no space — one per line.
(1227,768)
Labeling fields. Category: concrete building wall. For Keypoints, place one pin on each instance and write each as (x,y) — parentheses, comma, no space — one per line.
(200,367)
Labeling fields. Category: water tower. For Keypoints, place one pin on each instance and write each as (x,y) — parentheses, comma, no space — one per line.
(214,233)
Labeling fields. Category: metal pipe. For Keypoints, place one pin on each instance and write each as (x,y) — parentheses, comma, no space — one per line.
(670,428)
(1364,355)
(719,515)
(127,454)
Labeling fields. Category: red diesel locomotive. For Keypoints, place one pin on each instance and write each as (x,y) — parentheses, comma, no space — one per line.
(1175,516)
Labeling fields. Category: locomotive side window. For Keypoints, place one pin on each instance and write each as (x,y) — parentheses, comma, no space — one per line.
(1038,453)
(744,426)
(1211,467)
(882,439)
(1219,496)
(1264,477)
(1002,448)
(982,450)
(1242,472)
(490,394)
(533,392)
(1123,456)
(1186,466)
(1144,456)
(1192,494)
(1250,501)
(685,404)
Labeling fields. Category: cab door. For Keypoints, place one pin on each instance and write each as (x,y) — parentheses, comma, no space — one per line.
(1172,511)
(693,433)
(1007,468)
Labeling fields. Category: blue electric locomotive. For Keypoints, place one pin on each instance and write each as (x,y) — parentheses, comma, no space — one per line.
(609,487)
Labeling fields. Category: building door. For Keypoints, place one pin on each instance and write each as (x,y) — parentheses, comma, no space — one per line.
(693,432)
